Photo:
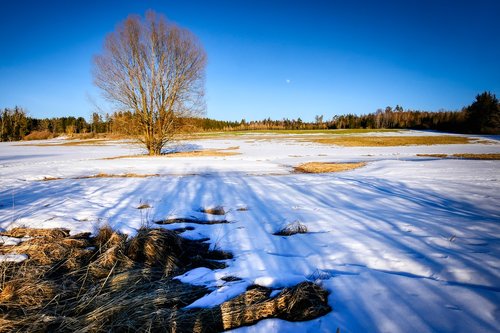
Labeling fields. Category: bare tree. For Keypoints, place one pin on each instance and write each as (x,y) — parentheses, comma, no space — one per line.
(155,69)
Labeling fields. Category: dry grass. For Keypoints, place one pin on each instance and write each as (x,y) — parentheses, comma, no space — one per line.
(143,206)
(91,142)
(387,141)
(217,210)
(203,153)
(121,175)
(190,220)
(433,155)
(478,156)
(292,229)
(111,282)
(323,167)
(464,156)
(39,135)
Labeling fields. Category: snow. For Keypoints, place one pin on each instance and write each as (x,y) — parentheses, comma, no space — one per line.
(13,257)
(404,244)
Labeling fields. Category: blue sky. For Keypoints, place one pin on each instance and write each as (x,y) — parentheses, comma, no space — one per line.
(267,58)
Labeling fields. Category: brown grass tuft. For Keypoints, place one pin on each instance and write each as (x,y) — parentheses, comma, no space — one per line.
(123,175)
(125,284)
(387,141)
(292,229)
(322,167)
(217,210)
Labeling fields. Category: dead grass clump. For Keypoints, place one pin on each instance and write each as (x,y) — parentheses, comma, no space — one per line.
(323,167)
(125,284)
(387,141)
(190,220)
(21,232)
(478,156)
(292,229)
(433,155)
(122,175)
(202,153)
(217,210)
(143,206)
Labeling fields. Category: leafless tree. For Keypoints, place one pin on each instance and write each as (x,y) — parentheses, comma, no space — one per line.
(155,69)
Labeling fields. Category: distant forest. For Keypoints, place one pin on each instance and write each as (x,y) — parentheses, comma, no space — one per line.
(482,116)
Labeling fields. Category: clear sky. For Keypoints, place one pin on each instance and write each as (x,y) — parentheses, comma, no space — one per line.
(267,58)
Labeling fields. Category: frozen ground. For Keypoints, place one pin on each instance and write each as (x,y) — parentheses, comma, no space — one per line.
(404,244)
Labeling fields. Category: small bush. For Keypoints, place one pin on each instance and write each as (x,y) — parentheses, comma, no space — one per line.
(39,135)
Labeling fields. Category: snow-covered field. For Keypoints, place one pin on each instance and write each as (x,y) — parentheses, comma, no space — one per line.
(404,244)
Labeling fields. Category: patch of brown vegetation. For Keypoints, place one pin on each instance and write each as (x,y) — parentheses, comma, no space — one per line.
(46,179)
(292,229)
(478,156)
(122,175)
(111,282)
(217,210)
(433,155)
(202,153)
(323,167)
(466,156)
(39,135)
(190,220)
(91,142)
(143,206)
(388,141)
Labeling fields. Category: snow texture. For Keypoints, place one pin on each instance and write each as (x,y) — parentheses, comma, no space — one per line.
(404,244)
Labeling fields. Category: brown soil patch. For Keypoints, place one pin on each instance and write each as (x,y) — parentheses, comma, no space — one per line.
(111,282)
(387,141)
(323,167)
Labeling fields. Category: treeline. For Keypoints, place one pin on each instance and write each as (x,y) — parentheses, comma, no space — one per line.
(482,116)
(16,125)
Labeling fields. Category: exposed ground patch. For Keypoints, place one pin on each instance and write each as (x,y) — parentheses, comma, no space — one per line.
(92,142)
(190,220)
(111,282)
(217,210)
(464,156)
(388,141)
(292,229)
(324,167)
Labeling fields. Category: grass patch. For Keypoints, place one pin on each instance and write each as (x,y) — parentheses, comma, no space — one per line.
(203,153)
(112,282)
(478,156)
(433,155)
(292,229)
(91,142)
(190,220)
(324,167)
(464,156)
(143,206)
(288,132)
(388,141)
(217,210)
(121,175)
